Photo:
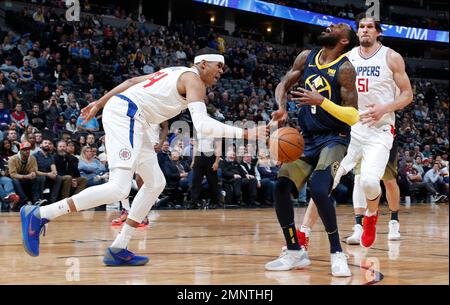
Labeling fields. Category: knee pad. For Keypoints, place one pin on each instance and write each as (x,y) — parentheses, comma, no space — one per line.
(371,187)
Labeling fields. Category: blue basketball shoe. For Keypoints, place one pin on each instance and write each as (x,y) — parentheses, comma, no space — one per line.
(32,226)
(123,257)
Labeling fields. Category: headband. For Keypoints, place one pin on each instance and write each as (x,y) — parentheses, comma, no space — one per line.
(209,57)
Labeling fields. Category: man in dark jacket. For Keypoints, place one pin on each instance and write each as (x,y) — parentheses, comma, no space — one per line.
(233,176)
(176,171)
(67,167)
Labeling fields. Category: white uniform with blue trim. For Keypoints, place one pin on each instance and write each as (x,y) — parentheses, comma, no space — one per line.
(129,116)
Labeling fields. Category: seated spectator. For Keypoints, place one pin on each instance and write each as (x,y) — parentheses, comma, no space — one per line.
(176,171)
(164,154)
(7,192)
(71,124)
(5,118)
(268,173)
(415,182)
(90,140)
(60,125)
(8,67)
(233,177)
(28,129)
(72,149)
(252,182)
(19,117)
(91,168)
(90,126)
(52,110)
(23,170)
(37,118)
(5,150)
(435,177)
(72,109)
(26,72)
(47,169)
(31,138)
(11,135)
(67,167)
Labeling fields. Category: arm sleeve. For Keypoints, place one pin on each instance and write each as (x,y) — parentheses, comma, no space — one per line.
(208,127)
(346,114)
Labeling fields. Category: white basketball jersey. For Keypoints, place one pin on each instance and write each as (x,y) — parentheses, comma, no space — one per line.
(374,81)
(158,97)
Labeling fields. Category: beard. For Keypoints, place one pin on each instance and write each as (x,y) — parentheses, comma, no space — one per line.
(366,43)
(327,41)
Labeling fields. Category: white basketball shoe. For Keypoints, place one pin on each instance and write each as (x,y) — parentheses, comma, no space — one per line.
(289,259)
(339,266)
(355,238)
(394,230)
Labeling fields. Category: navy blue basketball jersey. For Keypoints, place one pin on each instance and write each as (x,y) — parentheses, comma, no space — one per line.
(319,128)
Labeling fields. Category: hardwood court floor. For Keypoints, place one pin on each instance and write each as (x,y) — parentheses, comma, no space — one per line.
(223,247)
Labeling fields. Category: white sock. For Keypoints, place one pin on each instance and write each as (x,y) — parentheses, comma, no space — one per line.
(124,237)
(368,213)
(55,210)
(306,230)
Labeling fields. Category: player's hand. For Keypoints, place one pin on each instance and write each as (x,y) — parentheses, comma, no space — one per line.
(306,97)
(280,116)
(88,112)
(215,167)
(373,114)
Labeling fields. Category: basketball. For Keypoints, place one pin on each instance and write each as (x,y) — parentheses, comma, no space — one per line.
(286,144)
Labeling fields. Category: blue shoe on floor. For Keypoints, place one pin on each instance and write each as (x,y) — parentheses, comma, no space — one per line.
(32,226)
(123,257)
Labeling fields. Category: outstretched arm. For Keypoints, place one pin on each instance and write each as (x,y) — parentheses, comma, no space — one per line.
(90,110)
(206,126)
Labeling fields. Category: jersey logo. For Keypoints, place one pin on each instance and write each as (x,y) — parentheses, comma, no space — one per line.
(335,167)
(320,83)
(311,66)
(331,72)
(125,154)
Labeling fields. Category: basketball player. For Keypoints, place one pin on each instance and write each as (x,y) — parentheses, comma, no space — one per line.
(380,71)
(128,110)
(155,140)
(328,107)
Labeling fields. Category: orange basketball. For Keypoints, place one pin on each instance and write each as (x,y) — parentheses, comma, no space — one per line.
(286,144)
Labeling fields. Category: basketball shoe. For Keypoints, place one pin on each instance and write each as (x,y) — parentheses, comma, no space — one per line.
(369,235)
(32,226)
(123,257)
(289,259)
(394,230)
(123,217)
(355,238)
(339,266)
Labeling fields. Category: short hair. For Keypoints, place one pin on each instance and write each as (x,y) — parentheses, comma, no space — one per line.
(353,40)
(377,23)
(362,16)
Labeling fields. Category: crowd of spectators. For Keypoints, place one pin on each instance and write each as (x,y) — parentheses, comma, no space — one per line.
(350,11)
(48,74)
